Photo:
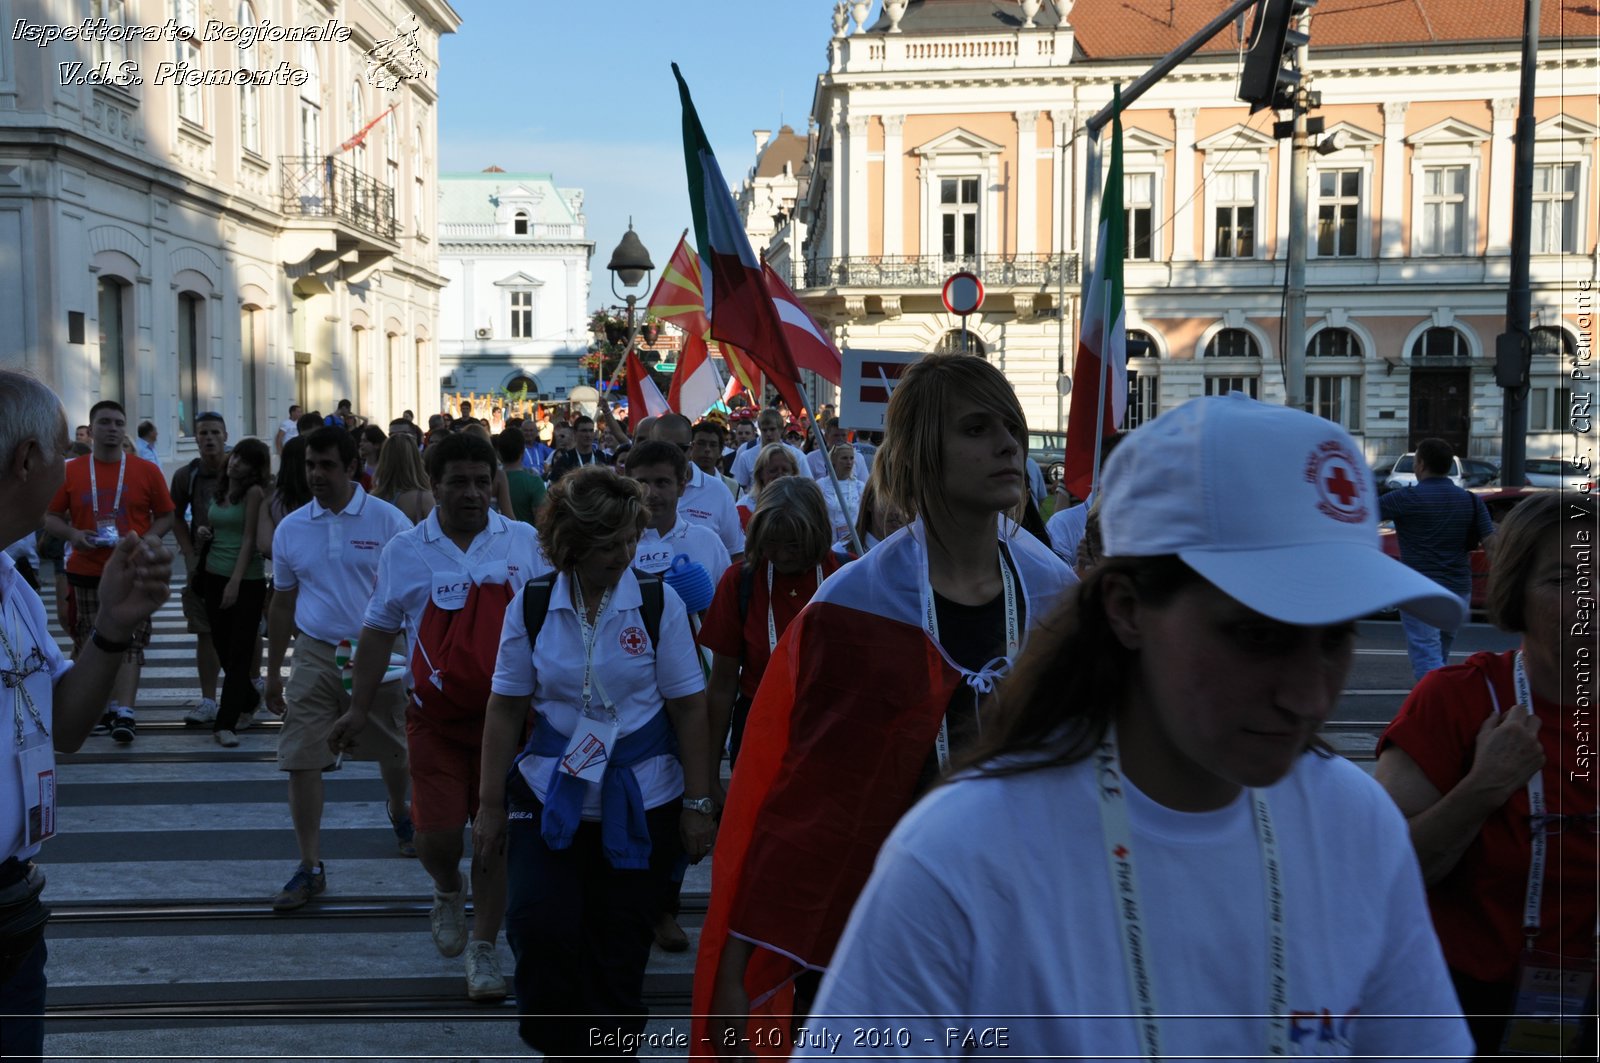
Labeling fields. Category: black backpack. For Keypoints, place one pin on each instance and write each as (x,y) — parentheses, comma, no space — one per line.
(536,604)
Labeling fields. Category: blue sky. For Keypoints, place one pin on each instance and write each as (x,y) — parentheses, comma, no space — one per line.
(585,92)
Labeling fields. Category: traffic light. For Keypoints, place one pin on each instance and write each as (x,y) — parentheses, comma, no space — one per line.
(1270,73)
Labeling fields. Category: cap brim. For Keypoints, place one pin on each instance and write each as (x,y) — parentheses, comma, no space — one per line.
(1325,583)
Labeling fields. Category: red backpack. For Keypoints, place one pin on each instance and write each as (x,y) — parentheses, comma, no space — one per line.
(452,663)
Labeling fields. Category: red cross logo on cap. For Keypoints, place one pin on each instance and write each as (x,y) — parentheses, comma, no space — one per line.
(1333,470)
(633,641)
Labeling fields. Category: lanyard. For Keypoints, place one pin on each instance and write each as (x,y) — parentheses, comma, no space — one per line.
(94,487)
(590,631)
(20,672)
(981,681)
(772,625)
(1118,834)
(1539,845)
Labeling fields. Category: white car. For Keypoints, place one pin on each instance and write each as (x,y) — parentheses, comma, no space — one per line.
(1554,472)
(1404,473)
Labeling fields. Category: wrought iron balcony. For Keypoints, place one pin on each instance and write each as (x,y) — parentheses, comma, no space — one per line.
(320,186)
(930,271)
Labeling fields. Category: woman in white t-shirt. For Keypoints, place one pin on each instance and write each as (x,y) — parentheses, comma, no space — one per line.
(843,458)
(614,781)
(1153,854)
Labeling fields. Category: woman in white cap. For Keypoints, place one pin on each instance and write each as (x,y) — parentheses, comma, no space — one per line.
(1152,844)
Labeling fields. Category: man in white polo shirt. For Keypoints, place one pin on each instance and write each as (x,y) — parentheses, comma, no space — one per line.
(445,583)
(663,471)
(769,426)
(704,500)
(324,564)
(817,460)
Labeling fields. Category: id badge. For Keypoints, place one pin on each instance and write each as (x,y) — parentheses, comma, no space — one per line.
(589,749)
(106,533)
(1555,1000)
(38,758)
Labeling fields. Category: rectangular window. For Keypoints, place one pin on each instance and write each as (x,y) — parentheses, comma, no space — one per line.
(1138,208)
(1555,215)
(1444,210)
(1338,209)
(416,205)
(1337,398)
(1222,385)
(1549,409)
(249,367)
(1141,399)
(250,118)
(114,52)
(186,54)
(522,315)
(1236,214)
(113,340)
(958,210)
(190,356)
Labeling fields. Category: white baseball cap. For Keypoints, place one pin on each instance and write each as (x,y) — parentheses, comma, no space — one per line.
(1273,506)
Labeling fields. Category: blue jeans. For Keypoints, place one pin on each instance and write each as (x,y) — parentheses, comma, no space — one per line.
(22,1008)
(1426,645)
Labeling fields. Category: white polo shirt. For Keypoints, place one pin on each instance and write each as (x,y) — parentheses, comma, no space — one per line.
(332,560)
(656,551)
(22,616)
(744,465)
(707,501)
(422,562)
(636,680)
(816,462)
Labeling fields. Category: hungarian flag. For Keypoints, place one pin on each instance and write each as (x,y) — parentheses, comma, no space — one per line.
(1100,374)
(644,398)
(808,343)
(844,722)
(737,301)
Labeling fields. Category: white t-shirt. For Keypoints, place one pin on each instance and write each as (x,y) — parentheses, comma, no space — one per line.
(1066,530)
(22,616)
(635,679)
(993,898)
(817,463)
(423,562)
(706,501)
(290,429)
(842,518)
(656,551)
(332,558)
(744,464)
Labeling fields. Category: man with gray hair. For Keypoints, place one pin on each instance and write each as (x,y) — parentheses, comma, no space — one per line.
(54,704)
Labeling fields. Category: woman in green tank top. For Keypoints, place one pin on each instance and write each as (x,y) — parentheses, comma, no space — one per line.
(232,583)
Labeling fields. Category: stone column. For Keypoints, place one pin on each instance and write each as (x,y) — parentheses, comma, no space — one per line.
(1183,186)
(1392,202)
(1060,194)
(857,206)
(894,211)
(1502,175)
(1027,185)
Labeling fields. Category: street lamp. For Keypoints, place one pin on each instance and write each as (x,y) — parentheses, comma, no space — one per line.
(630,263)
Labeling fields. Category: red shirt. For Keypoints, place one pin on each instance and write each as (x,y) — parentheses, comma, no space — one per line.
(722,631)
(1477,908)
(144,498)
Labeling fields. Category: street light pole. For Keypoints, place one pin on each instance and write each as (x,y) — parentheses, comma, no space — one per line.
(630,263)
(1294,354)
(1514,350)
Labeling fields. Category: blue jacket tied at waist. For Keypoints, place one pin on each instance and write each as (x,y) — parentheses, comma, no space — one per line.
(624,835)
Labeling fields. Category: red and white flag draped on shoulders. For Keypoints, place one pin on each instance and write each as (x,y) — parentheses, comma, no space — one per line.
(830,762)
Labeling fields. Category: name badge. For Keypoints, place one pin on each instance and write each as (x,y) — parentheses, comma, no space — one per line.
(589,749)
(1554,994)
(38,788)
(450,593)
(106,533)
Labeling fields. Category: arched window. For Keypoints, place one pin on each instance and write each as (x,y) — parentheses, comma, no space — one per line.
(519,223)
(1333,387)
(950,343)
(1233,343)
(1550,341)
(1440,343)
(1334,343)
(355,118)
(1142,382)
(249,92)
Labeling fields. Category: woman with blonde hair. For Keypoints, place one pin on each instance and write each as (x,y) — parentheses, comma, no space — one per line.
(871,692)
(774,461)
(401,480)
(614,781)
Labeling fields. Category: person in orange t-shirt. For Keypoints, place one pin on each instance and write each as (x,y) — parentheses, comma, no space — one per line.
(106,495)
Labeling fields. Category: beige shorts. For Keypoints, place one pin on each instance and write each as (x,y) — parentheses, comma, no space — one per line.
(316,698)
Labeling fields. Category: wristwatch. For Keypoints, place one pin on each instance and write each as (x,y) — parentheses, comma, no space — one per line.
(703,805)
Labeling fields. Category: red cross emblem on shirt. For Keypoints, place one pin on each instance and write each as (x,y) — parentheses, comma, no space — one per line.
(633,641)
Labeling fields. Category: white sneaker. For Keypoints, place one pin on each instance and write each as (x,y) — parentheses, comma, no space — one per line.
(448,921)
(246,721)
(202,715)
(226,738)
(484,980)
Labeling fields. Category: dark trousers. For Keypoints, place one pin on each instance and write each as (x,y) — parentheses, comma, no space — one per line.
(581,932)
(22,1008)
(235,632)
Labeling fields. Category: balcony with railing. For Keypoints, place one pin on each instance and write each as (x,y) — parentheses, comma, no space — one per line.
(318,187)
(493,231)
(901,272)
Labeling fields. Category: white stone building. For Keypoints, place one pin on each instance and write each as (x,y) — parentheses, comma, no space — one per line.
(514,250)
(183,242)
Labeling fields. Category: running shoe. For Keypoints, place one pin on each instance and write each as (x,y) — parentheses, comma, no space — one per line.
(123,725)
(104,726)
(448,921)
(226,738)
(202,715)
(485,981)
(304,884)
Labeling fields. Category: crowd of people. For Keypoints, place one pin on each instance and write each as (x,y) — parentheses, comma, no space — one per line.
(952,760)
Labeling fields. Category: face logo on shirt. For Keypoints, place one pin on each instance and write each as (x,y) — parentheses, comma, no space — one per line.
(633,641)
(1338,477)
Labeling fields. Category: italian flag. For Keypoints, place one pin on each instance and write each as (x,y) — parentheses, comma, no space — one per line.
(1100,374)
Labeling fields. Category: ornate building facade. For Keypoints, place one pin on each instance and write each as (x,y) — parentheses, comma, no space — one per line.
(222,205)
(947,134)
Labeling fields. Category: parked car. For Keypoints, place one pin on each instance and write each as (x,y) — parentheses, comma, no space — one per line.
(1554,472)
(1049,449)
(1381,471)
(1404,473)
(1480,473)
(1498,501)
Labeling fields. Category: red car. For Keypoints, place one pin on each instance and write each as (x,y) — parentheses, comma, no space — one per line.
(1499,501)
